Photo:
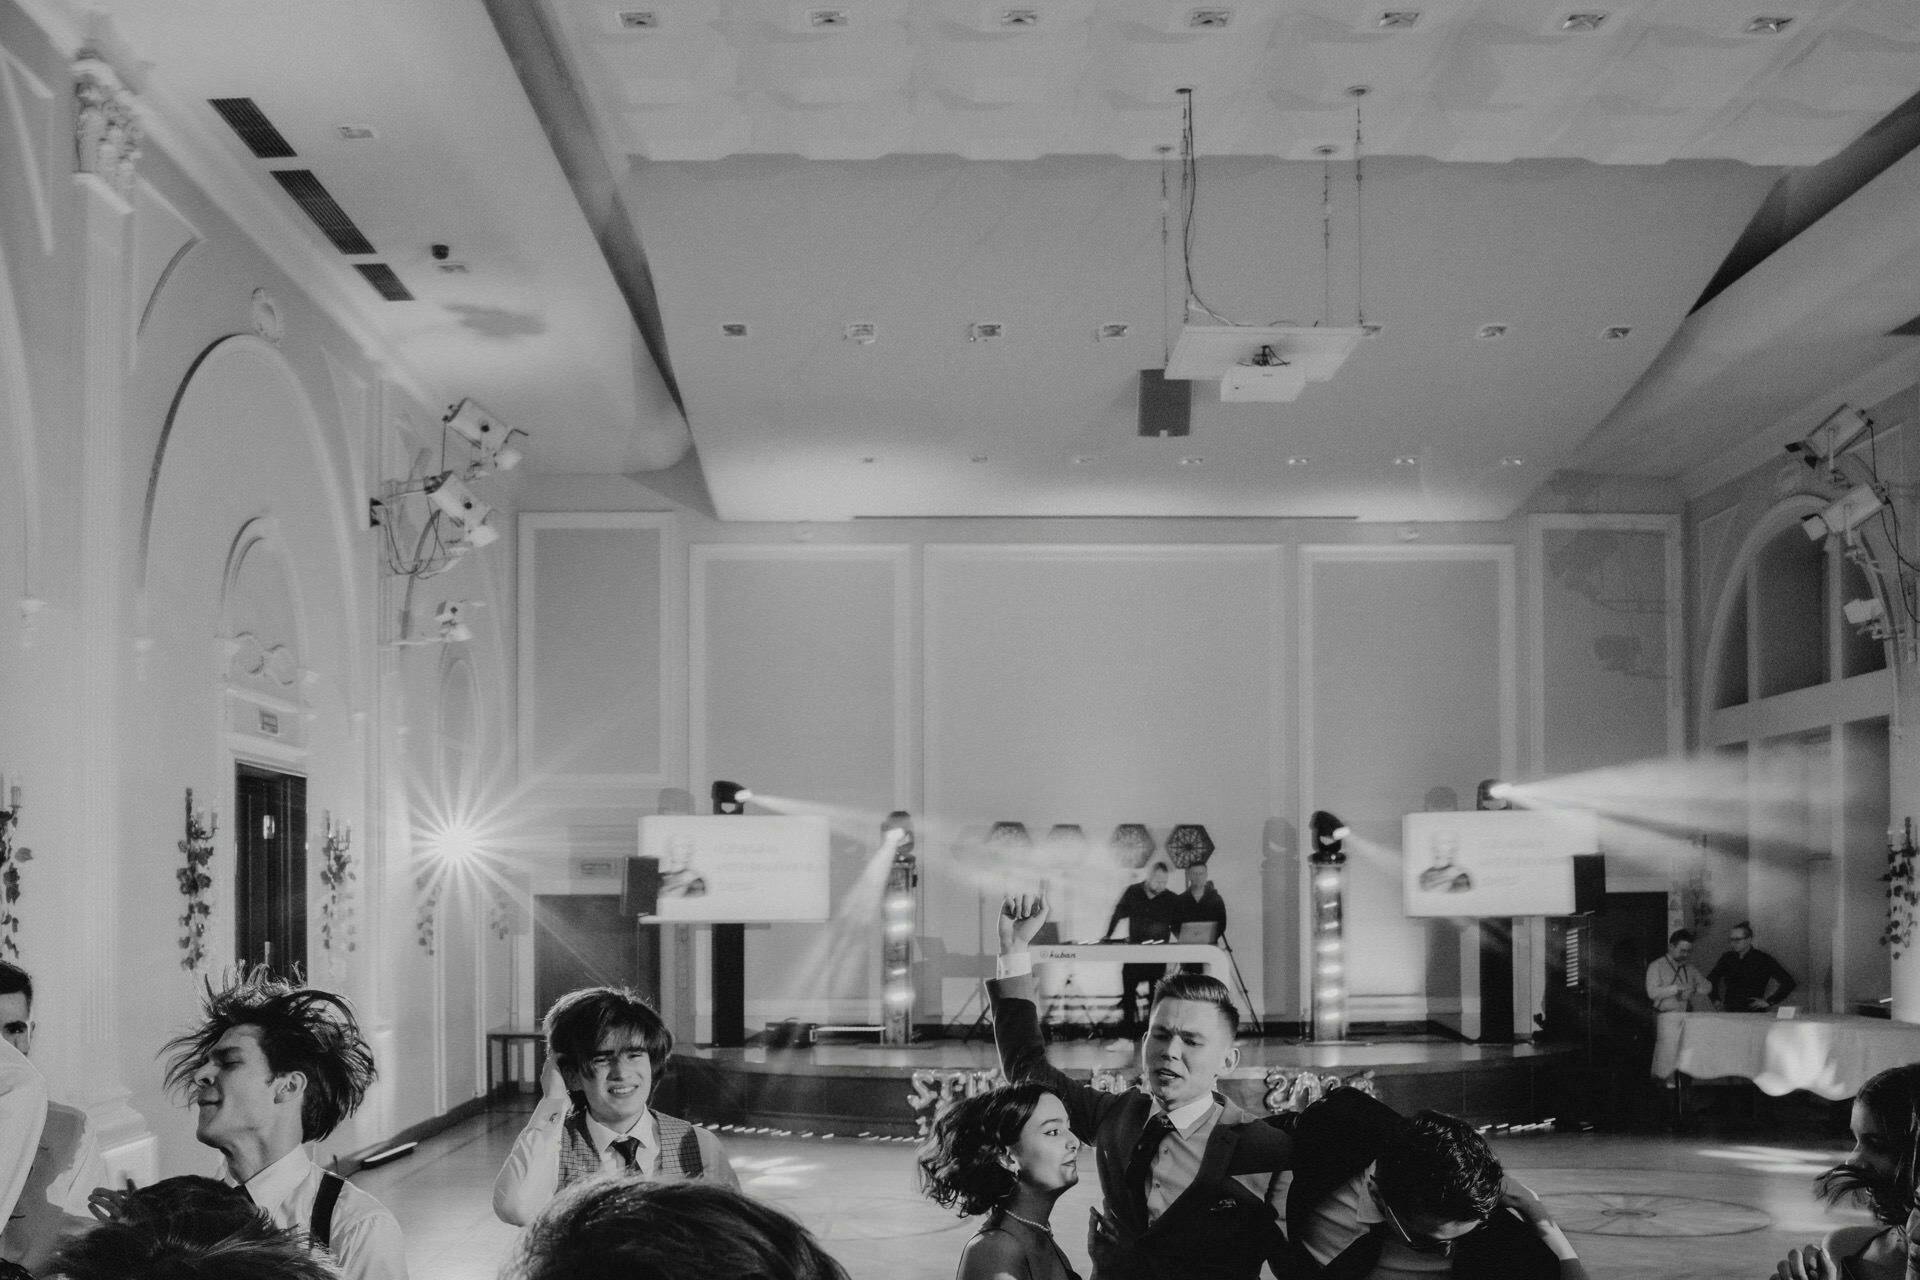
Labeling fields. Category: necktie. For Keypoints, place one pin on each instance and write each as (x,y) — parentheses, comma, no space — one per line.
(628,1149)
(1141,1163)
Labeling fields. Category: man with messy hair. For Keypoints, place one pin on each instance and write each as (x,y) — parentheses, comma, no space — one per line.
(271,1067)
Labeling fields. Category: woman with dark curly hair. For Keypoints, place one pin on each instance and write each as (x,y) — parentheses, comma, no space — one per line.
(1879,1170)
(1010,1155)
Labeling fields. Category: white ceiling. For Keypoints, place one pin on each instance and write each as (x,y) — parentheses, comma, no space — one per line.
(924,167)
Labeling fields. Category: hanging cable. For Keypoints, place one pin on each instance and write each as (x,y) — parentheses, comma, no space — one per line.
(1326,235)
(1189,206)
(1358,91)
(1166,264)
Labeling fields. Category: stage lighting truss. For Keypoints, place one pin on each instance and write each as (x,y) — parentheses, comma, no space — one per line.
(897,923)
(429,521)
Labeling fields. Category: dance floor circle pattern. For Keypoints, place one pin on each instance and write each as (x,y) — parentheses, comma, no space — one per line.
(1639,1213)
(868,1217)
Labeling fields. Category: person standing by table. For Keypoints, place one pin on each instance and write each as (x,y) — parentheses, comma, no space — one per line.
(1674,985)
(1147,907)
(1747,979)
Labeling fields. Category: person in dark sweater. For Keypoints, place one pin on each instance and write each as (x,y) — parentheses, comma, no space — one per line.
(1747,979)
(1148,909)
(1200,903)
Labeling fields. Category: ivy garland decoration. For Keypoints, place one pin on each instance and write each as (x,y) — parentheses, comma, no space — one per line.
(10,860)
(427,887)
(1902,894)
(338,930)
(195,882)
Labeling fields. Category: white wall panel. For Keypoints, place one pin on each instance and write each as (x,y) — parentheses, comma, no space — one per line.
(800,691)
(592,648)
(1407,682)
(1098,685)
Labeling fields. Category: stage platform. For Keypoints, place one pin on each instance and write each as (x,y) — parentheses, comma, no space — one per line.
(852,1089)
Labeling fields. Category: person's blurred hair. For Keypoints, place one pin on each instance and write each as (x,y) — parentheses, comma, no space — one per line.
(960,1165)
(1892,1098)
(1436,1164)
(189,1228)
(1201,988)
(626,1229)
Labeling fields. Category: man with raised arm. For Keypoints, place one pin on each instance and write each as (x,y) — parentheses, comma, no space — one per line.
(1187,1177)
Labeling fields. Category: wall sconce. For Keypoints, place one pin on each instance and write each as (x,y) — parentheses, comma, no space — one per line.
(1327,870)
(897,921)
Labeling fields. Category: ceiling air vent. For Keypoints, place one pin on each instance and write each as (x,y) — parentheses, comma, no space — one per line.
(244,116)
(384,282)
(332,220)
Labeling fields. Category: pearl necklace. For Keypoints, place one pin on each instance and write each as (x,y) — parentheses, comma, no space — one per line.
(1037,1226)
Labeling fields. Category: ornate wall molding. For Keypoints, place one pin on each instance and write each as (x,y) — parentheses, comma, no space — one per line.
(106,132)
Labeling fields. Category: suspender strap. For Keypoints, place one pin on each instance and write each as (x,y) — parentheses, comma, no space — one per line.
(320,1230)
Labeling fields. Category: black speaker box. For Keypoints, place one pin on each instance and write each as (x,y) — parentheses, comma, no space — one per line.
(1589,882)
(640,888)
(1166,407)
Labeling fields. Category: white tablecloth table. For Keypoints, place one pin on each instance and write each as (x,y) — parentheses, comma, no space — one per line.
(1831,1054)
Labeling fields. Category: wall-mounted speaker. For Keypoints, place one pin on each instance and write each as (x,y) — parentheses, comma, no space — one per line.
(1166,405)
(640,888)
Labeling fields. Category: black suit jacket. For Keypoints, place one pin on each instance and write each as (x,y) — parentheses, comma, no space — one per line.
(1338,1137)
(1218,1228)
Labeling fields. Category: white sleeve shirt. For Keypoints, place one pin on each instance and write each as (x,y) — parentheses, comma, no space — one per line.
(365,1237)
(531,1176)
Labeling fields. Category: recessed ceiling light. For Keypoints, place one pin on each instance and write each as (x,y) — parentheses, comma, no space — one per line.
(1591,20)
(1398,19)
(1192,460)
(1298,460)
(733,331)
(1615,332)
(1406,460)
(637,19)
(452,268)
(1491,332)
(985,331)
(1209,19)
(1019,17)
(828,18)
(1110,331)
(978,457)
(1083,460)
(1372,330)
(863,332)
(1768,25)
(1511,461)
(355,132)
(870,458)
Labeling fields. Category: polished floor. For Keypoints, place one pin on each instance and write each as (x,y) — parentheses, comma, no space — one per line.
(1721,1200)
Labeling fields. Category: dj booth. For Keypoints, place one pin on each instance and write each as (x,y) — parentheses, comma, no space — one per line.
(1211,957)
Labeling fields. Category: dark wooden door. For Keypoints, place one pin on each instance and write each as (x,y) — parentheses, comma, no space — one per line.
(582,940)
(270,873)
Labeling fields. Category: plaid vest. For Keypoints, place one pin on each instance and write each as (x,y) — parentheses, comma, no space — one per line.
(679,1150)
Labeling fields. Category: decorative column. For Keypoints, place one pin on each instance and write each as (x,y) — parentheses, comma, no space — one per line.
(106,150)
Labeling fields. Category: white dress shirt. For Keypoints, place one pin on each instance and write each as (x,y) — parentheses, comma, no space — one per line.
(53,1206)
(365,1237)
(531,1176)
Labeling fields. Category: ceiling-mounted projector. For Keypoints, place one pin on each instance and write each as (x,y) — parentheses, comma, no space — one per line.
(1261,362)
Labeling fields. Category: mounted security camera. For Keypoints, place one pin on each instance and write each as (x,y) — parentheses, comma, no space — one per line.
(1845,514)
(458,502)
